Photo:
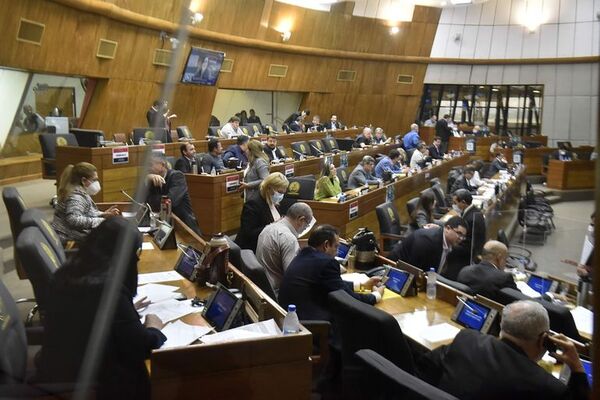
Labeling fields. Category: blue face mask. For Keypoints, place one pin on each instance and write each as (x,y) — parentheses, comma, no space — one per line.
(277,197)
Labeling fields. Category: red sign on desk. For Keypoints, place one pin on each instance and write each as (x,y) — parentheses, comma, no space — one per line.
(288,170)
(158,148)
(353,209)
(232,183)
(120,155)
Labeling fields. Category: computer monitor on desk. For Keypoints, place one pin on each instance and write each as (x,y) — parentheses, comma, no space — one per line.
(88,137)
(155,134)
(345,144)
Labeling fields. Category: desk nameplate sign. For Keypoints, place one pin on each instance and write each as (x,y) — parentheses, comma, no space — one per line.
(158,148)
(288,170)
(232,183)
(353,210)
(120,155)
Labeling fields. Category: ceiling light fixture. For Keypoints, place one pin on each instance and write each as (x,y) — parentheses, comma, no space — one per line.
(394,30)
(196,18)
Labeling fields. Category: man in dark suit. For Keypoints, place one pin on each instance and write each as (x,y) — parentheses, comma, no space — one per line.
(478,366)
(365,138)
(435,150)
(271,149)
(315,125)
(464,182)
(333,123)
(294,117)
(314,273)
(498,164)
(469,250)
(443,131)
(170,183)
(297,125)
(363,174)
(488,277)
(238,151)
(429,248)
(188,163)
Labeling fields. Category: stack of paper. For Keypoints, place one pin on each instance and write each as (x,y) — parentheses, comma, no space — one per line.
(155,277)
(246,332)
(356,278)
(155,292)
(168,310)
(181,334)
(443,332)
(584,320)
(527,290)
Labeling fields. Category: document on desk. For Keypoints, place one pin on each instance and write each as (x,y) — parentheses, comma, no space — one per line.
(584,319)
(169,310)
(147,246)
(155,277)
(439,333)
(181,334)
(356,278)
(155,292)
(527,290)
(246,332)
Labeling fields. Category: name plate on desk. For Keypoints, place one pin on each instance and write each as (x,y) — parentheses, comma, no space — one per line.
(353,210)
(288,170)
(232,183)
(158,148)
(120,155)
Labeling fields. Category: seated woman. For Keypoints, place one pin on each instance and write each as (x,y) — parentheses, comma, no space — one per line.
(328,184)
(77,304)
(76,213)
(423,213)
(261,211)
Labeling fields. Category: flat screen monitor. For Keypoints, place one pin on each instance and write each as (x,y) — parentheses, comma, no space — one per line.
(88,137)
(398,281)
(474,315)
(187,262)
(222,308)
(202,67)
(60,123)
(587,367)
(542,285)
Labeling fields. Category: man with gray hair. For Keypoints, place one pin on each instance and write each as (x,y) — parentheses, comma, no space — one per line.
(365,138)
(478,366)
(412,139)
(363,174)
(278,242)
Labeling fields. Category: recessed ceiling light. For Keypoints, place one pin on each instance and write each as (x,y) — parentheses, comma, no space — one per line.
(394,30)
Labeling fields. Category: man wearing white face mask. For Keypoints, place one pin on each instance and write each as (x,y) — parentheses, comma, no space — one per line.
(76,213)
(278,242)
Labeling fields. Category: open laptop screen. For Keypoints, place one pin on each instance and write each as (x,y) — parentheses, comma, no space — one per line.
(540,284)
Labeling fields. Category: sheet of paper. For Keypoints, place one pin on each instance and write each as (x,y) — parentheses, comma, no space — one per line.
(128,214)
(154,277)
(584,319)
(155,292)
(246,332)
(439,333)
(169,310)
(527,290)
(355,278)
(144,229)
(181,334)
(147,246)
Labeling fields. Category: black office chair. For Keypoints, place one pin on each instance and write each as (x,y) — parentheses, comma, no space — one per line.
(183,132)
(15,207)
(330,145)
(345,144)
(411,205)
(388,381)
(342,174)
(255,129)
(235,256)
(518,256)
(283,151)
(461,287)
(13,342)
(247,130)
(270,129)
(253,269)
(152,134)
(214,131)
(300,149)
(286,128)
(316,147)
(301,188)
(88,137)
(49,143)
(434,181)
(442,205)
(35,217)
(390,229)
(362,326)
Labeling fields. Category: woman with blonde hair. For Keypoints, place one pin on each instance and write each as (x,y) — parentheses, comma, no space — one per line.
(256,171)
(76,214)
(261,211)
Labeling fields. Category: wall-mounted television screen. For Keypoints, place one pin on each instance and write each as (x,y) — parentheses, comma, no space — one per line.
(202,66)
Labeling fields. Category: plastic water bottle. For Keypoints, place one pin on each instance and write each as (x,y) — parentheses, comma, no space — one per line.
(431,287)
(213,171)
(194,167)
(291,324)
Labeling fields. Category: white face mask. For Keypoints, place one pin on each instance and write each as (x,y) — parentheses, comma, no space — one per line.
(277,197)
(93,189)
(456,208)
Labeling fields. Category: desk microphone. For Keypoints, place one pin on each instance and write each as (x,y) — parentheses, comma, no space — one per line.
(317,149)
(302,155)
(137,203)
(474,311)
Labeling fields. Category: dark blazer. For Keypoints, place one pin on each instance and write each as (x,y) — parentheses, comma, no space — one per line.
(486,280)
(331,125)
(463,253)
(176,189)
(462,183)
(256,214)
(235,151)
(478,366)
(68,325)
(423,249)
(442,130)
(184,165)
(436,152)
(269,153)
(310,127)
(295,126)
(360,139)
(496,166)
(307,281)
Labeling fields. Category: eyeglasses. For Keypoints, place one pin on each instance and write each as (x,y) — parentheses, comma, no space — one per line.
(460,235)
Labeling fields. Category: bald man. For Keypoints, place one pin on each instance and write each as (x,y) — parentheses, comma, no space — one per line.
(412,139)
(488,277)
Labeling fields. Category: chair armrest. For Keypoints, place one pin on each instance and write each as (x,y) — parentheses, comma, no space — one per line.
(320,330)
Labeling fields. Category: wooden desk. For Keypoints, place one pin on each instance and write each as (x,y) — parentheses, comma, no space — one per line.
(532,158)
(427,133)
(483,144)
(218,210)
(568,175)
(251,369)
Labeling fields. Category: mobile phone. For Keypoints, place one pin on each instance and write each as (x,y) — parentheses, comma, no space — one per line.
(549,344)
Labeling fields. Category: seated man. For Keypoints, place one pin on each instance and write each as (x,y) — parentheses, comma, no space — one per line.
(429,248)
(315,125)
(297,125)
(314,273)
(170,183)
(362,174)
(271,149)
(238,150)
(390,163)
(365,138)
(478,366)
(488,277)
(412,139)
(431,121)
(213,158)
(470,248)
(563,153)
(464,181)
(231,129)
(333,123)
(435,150)
(380,137)
(253,118)
(188,162)
(498,164)
(278,242)
(420,156)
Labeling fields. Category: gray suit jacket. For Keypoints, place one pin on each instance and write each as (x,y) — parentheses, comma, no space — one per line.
(360,177)
(257,171)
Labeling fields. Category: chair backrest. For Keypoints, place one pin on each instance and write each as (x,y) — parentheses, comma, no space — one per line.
(283,151)
(13,342)
(388,381)
(248,131)
(342,174)
(316,147)
(439,195)
(301,188)
(173,136)
(411,205)
(235,256)
(503,238)
(120,137)
(362,326)
(39,261)
(15,207)
(456,285)
(253,269)
(35,217)
(435,181)
(330,144)
(300,147)
(184,132)
(254,129)
(150,133)
(50,142)
(389,220)
(214,131)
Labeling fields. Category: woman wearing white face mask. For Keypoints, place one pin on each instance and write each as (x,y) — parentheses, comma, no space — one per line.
(261,210)
(76,213)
